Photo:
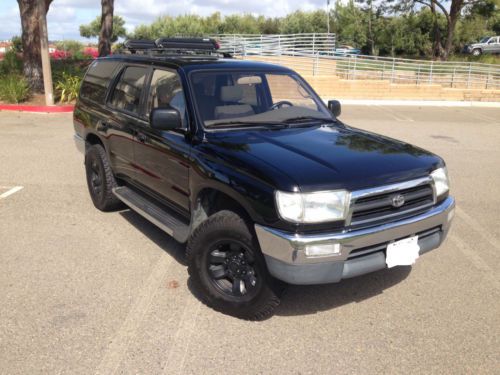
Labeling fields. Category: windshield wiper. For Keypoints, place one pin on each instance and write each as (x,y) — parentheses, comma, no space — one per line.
(302,119)
(230,123)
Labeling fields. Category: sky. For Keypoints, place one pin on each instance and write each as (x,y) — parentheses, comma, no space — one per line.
(65,16)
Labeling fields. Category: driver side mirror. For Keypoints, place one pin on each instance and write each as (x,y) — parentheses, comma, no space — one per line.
(165,119)
(335,107)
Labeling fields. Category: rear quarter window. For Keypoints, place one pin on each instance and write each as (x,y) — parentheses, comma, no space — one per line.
(96,81)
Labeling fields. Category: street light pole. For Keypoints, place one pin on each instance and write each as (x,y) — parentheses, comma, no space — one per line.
(328,16)
(44,51)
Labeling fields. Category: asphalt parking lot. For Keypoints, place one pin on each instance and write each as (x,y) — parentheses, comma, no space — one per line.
(86,292)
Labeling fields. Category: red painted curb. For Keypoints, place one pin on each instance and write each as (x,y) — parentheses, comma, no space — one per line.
(37,108)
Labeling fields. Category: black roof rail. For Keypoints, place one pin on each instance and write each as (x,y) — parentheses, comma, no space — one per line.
(139,44)
(200,44)
(174,46)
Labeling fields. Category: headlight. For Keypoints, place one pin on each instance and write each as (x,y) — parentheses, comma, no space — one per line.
(313,207)
(441,183)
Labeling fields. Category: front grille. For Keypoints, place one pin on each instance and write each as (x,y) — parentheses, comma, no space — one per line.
(378,208)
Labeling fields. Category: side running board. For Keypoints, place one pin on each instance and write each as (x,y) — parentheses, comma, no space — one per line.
(162,217)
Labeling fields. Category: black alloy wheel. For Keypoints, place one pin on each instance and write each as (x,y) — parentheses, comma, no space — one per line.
(232,269)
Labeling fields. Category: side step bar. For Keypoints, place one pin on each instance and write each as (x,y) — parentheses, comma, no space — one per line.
(162,217)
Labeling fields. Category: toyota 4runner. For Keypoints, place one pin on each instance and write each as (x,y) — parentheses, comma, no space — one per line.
(245,163)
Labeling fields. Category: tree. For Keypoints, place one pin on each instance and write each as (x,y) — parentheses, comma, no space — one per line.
(452,14)
(32,61)
(94,29)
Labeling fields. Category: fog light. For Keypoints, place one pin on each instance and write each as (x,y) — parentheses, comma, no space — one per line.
(322,250)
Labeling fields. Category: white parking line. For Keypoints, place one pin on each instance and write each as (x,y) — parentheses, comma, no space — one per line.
(9,192)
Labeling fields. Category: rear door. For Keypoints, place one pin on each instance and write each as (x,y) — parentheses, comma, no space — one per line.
(125,102)
(496,45)
(490,45)
(162,157)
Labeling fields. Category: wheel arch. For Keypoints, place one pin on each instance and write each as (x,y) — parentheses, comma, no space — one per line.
(93,139)
(210,200)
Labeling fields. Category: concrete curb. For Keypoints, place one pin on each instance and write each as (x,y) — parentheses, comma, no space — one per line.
(37,108)
(422,103)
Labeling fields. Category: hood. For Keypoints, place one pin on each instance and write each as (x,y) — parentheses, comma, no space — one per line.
(322,157)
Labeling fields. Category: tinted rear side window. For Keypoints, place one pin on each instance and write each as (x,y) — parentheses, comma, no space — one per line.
(128,90)
(97,80)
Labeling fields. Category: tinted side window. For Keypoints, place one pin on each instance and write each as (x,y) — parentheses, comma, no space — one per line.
(166,91)
(128,91)
(97,80)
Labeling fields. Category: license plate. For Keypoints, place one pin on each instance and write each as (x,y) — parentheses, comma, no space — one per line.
(403,252)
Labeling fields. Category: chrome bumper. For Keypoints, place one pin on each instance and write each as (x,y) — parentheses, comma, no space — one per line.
(79,143)
(286,259)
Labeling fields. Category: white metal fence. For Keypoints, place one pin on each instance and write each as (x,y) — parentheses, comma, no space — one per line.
(252,44)
(314,54)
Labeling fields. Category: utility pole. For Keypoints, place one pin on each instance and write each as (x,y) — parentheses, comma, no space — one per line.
(328,16)
(44,51)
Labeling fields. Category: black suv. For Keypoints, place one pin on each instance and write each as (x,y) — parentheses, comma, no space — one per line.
(245,163)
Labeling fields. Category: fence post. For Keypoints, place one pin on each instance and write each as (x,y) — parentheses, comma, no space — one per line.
(234,44)
(314,43)
(355,63)
(453,77)
(418,75)
(430,74)
(392,72)
(468,76)
(383,71)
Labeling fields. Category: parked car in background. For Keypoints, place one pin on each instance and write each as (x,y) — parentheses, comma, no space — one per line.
(489,44)
(345,50)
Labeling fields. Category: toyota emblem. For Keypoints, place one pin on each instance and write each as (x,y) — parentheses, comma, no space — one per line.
(398,200)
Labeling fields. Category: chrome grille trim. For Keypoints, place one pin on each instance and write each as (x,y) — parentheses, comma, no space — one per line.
(388,189)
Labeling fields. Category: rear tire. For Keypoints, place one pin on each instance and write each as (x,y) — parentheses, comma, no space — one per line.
(228,270)
(100,179)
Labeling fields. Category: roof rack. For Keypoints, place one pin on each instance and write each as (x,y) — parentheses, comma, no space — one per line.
(202,47)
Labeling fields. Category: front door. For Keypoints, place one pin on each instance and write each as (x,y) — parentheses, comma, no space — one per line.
(162,157)
(124,107)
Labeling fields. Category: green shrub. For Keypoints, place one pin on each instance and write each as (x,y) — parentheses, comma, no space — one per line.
(11,64)
(67,87)
(14,89)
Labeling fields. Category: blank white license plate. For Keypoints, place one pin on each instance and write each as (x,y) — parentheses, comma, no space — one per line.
(403,252)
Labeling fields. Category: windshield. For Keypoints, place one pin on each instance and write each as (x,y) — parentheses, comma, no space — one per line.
(250,98)
(485,39)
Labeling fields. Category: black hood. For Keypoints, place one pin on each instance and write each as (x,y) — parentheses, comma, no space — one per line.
(322,157)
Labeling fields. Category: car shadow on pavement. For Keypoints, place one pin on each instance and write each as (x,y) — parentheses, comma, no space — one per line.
(155,234)
(296,300)
(310,299)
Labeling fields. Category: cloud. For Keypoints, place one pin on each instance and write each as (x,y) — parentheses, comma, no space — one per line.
(65,16)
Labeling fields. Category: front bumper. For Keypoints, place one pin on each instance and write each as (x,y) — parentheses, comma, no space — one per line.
(362,251)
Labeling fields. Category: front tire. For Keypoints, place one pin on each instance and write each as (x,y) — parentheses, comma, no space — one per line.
(228,270)
(476,52)
(100,179)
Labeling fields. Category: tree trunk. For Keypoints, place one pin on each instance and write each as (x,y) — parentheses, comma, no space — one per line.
(32,62)
(455,9)
(106,27)
(437,47)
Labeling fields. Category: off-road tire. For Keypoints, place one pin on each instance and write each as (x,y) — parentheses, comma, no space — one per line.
(219,227)
(97,164)
(476,52)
